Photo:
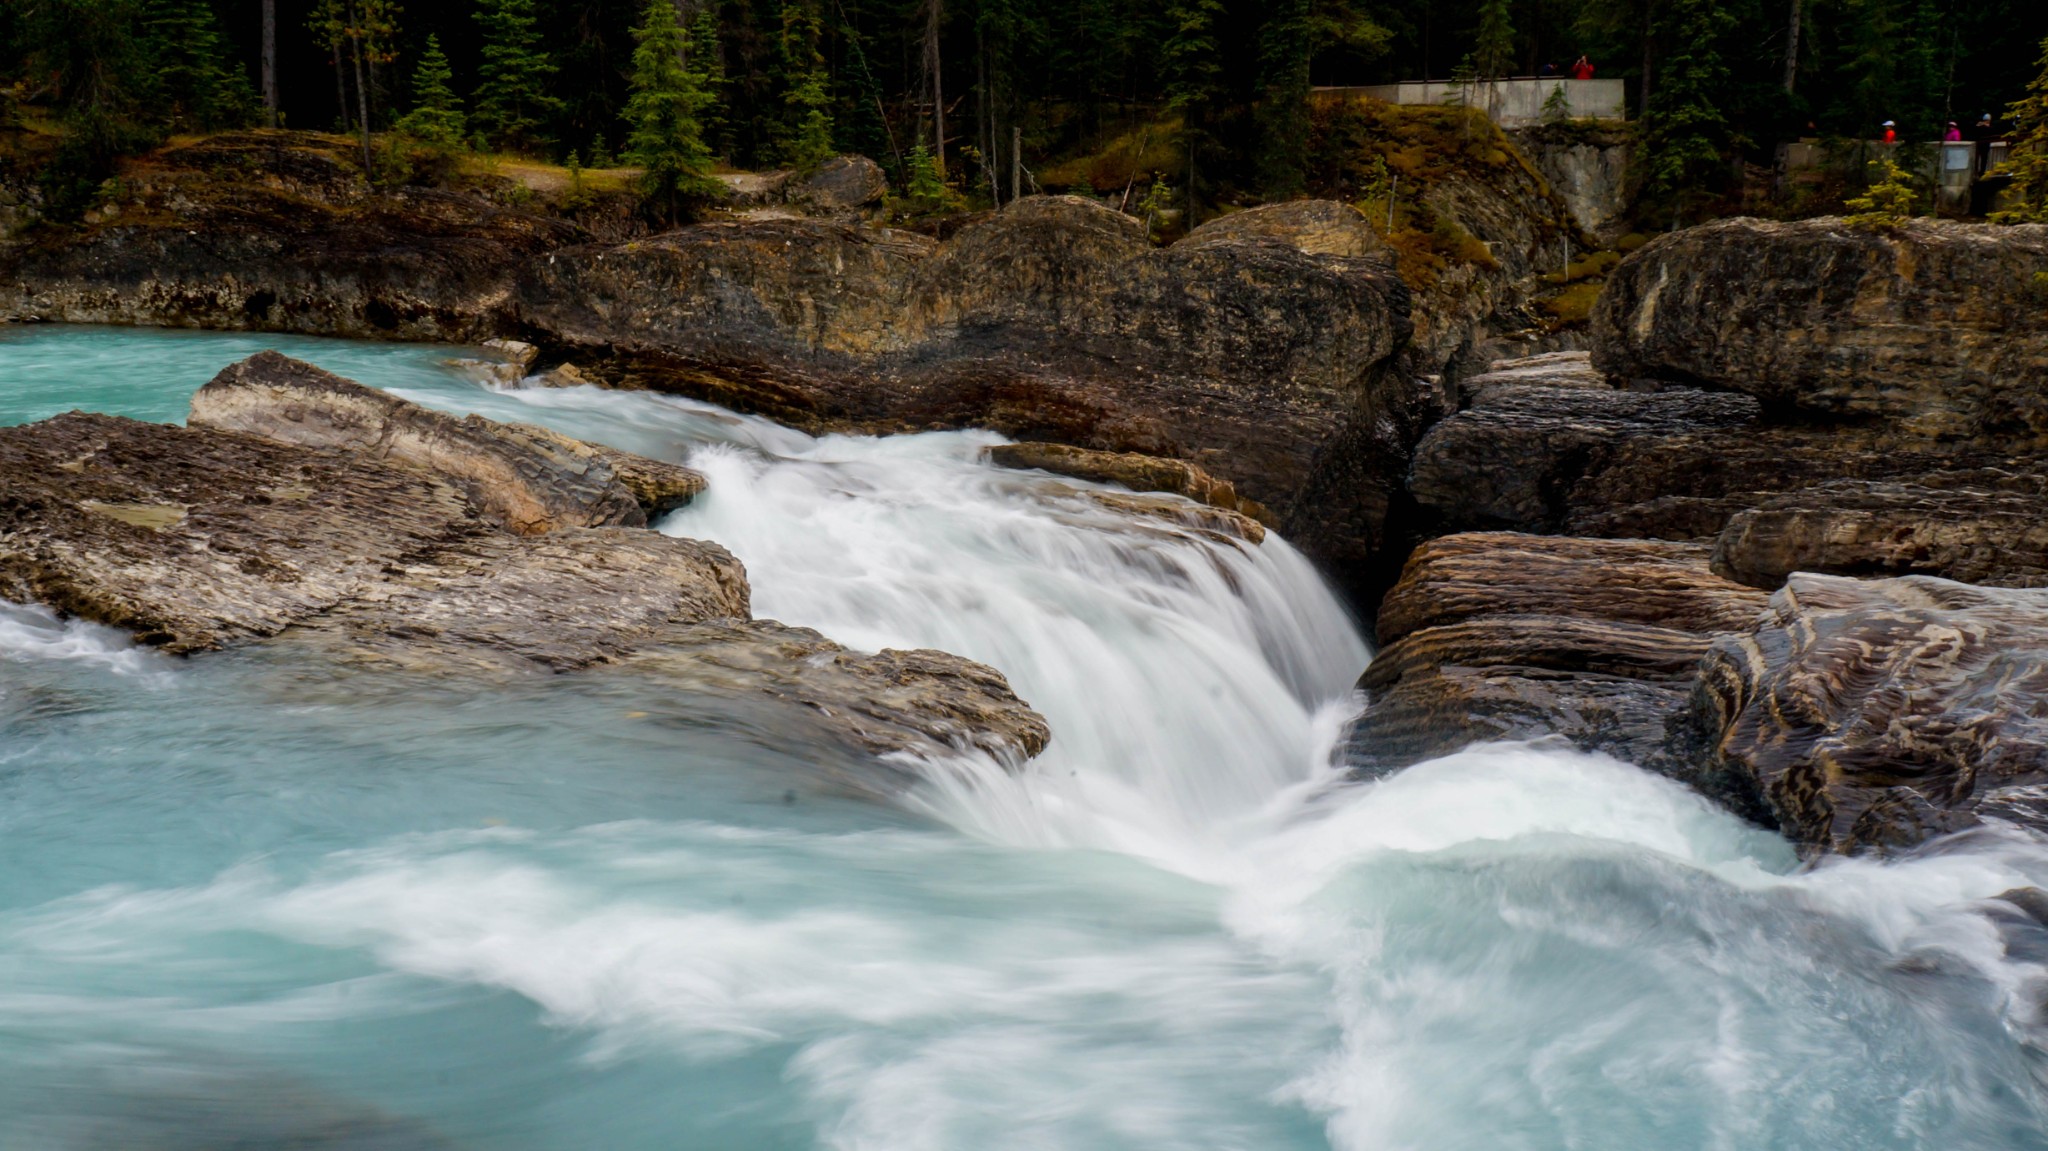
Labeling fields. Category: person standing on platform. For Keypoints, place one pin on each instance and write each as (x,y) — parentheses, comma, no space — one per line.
(1891,132)
(1583,70)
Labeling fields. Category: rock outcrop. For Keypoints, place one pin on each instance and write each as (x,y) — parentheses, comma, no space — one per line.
(1987,526)
(1136,472)
(278,232)
(1246,354)
(1933,326)
(337,520)
(1503,636)
(527,478)
(1879,713)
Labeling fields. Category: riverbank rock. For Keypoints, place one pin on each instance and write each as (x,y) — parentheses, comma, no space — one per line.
(1875,714)
(529,479)
(340,523)
(277,232)
(1504,636)
(1935,326)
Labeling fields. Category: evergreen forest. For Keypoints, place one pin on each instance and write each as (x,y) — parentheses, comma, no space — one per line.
(947,94)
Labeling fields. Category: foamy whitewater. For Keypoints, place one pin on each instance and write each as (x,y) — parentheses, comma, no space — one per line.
(249,904)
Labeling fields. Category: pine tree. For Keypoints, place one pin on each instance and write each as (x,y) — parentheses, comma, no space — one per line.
(436,115)
(1285,49)
(1192,63)
(667,141)
(513,101)
(1686,136)
(1494,54)
(2029,157)
(707,63)
(193,88)
(807,120)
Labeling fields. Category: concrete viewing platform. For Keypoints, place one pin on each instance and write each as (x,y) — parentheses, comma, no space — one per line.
(1513,103)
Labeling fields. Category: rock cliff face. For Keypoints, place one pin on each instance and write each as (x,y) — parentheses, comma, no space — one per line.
(1934,326)
(339,520)
(1777,401)
(1261,349)
(1254,349)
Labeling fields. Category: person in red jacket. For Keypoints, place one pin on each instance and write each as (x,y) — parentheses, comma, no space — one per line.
(1583,70)
(1891,132)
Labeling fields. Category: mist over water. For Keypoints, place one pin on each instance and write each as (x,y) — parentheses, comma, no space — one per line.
(249,903)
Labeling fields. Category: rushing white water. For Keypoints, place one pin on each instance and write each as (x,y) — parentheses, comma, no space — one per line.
(237,906)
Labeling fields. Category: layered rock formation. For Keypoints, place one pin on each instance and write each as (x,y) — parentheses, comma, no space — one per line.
(1934,326)
(1878,713)
(1506,636)
(306,512)
(1777,400)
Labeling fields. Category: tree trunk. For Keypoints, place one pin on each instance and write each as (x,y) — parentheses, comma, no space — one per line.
(362,107)
(1016,164)
(1792,49)
(934,12)
(270,60)
(1649,42)
(340,88)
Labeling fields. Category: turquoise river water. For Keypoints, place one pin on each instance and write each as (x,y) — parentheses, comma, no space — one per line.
(249,905)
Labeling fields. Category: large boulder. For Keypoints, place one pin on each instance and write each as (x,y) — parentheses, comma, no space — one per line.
(1875,714)
(1933,325)
(377,534)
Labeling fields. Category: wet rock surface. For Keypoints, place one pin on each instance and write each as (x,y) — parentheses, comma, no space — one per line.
(367,530)
(1504,636)
(1879,713)
(529,479)
(1137,472)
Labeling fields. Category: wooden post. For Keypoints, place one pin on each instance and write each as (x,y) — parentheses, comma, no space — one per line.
(270,60)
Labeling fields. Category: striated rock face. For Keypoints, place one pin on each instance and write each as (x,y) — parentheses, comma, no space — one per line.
(1986,526)
(1318,227)
(1936,326)
(1875,714)
(367,531)
(1500,636)
(529,479)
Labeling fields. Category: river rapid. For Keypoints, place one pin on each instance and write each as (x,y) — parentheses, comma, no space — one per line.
(250,905)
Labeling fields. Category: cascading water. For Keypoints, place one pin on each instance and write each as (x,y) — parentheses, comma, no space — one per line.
(238,912)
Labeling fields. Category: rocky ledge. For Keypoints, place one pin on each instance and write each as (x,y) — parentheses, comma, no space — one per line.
(300,511)
(1268,349)
(1790,523)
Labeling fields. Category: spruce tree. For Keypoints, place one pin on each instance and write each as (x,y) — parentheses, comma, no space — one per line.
(1685,138)
(1286,45)
(1494,54)
(1192,61)
(513,102)
(194,90)
(807,118)
(667,141)
(707,63)
(436,115)
(2028,164)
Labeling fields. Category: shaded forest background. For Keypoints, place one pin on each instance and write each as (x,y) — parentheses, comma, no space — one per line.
(1228,79)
